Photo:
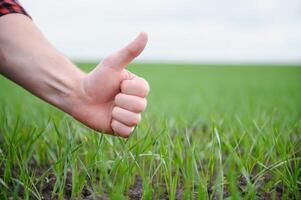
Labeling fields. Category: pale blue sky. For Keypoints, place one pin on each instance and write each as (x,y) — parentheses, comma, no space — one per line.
(179,30)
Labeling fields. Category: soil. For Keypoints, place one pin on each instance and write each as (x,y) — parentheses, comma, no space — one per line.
(136,190)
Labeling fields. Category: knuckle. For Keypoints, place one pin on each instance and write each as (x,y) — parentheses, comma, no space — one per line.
(114,125)
(144,87)
(128,75)
(118,98)
(136,119)
(141,105)
(132,52)
(124,85)
(114,111)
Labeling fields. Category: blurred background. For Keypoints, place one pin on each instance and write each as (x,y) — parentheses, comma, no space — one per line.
(219,123)
(233,31)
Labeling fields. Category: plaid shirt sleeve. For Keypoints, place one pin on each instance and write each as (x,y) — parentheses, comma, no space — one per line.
(11,6)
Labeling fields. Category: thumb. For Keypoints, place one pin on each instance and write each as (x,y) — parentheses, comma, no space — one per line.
(124,56)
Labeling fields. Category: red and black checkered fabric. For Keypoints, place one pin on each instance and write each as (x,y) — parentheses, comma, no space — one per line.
(11,6)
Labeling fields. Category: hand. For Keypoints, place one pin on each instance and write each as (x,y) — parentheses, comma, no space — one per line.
(110,98)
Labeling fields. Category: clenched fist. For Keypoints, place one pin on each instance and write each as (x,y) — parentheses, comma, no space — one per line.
(110,98)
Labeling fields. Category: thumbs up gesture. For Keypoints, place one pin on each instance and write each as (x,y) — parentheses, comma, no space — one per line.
(111,98)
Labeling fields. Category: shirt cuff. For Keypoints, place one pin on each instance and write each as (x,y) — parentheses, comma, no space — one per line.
(11,6)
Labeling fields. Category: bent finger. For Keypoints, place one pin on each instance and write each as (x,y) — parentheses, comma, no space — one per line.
(126,117)
(136,86)
(121,129)
(130,102)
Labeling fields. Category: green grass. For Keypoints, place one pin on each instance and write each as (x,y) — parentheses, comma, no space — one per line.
(208,132)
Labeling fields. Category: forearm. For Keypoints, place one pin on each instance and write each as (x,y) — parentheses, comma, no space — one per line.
(45,72)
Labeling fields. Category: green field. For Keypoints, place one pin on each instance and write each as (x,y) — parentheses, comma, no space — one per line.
(209,132)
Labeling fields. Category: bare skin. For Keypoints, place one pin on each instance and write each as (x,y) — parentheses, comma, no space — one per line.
(108,99)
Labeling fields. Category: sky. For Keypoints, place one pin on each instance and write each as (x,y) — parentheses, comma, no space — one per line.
(179,30)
